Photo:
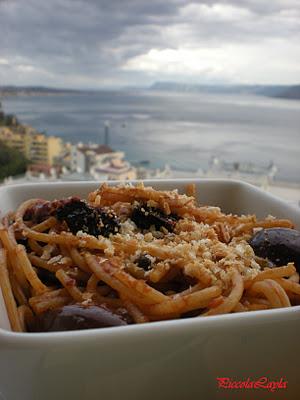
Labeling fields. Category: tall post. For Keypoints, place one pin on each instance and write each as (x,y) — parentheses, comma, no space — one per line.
(106,133)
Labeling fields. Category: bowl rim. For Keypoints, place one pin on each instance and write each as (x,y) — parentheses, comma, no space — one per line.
(134,330)
(130,332)
(221,181)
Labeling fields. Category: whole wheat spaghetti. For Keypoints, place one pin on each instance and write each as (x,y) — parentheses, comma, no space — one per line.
(132,254)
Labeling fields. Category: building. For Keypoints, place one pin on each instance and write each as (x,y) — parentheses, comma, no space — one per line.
(101,162)
(55,148)
(36,147)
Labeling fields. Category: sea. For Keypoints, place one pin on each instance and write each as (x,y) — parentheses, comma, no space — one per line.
(184,130)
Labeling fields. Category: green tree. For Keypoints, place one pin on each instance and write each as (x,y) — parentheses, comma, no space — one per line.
(1,115)
(12,162)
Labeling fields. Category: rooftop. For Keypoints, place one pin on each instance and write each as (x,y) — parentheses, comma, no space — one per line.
(98,149)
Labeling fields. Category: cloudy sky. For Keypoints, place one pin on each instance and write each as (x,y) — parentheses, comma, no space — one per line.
(111,43)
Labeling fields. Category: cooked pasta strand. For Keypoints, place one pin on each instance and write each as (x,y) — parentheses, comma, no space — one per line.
(234,297)
(272,291)
(8,294)
(29,272)
(70,285)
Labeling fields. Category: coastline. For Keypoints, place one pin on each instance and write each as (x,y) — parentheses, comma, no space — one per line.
(134,128)
(287,92)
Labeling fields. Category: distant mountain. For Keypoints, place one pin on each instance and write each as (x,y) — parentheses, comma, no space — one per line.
(283,91)
(292,92)
(280,91)
(33,90)
(45,91)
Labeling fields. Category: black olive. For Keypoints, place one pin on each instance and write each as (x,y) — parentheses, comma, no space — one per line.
(144,262)
(48,277)
(39,211)
(76,316)
(79,216)
(279,245)
(24,242)
(178,284)
(144,217)
(108,222)
(192,314)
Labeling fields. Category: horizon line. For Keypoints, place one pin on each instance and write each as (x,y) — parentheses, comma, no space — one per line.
(59,88)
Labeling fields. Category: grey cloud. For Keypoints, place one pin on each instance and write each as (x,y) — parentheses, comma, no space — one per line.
(79,41)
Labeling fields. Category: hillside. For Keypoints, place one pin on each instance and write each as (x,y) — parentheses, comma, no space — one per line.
(34,91)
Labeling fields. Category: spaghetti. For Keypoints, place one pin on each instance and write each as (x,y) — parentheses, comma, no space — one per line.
(132,254)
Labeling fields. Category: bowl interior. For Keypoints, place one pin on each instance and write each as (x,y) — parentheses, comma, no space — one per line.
(232,196)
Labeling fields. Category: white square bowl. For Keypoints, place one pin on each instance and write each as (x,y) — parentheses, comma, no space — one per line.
(179,359)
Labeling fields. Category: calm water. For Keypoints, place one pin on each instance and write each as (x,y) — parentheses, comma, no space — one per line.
(183,130)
